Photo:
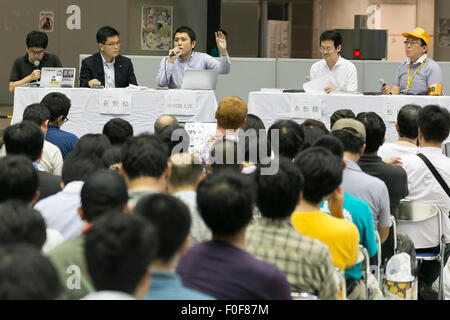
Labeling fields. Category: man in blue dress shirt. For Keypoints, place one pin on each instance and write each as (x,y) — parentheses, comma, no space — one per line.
(183,56)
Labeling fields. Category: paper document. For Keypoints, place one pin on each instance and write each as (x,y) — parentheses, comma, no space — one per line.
(318,85)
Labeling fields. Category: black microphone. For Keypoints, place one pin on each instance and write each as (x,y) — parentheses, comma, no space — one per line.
(382,82)
(36,64)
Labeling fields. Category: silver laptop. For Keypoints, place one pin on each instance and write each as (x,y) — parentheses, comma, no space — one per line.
(57,77)
(200,79)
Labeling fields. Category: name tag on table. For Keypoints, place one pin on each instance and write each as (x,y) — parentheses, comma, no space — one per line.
(180,103)
(111,103)
(306,107)
(392,105)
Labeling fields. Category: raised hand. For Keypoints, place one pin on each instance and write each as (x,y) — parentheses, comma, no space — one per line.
(221,42)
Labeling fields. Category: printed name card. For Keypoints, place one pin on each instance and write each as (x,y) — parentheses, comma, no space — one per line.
(199,133)
(306,107)
(115,103)
(180,102)
(392,105)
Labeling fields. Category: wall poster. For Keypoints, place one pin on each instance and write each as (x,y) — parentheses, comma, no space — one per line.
(156,27)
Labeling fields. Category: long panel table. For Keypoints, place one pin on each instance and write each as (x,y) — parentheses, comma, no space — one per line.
(146,107)
(271,106)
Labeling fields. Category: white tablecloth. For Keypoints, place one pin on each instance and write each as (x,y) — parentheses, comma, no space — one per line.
(84,116)
(271,106)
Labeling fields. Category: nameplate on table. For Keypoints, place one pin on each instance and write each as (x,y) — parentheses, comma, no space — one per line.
(392,105)
(111,103)
(306,107)
(180,102)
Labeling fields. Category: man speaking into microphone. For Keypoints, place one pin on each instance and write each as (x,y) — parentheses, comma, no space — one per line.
(418,74)
(27,68)
(183,57)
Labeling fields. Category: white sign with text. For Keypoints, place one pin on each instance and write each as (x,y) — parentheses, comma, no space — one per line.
(114,103)
(180,102)
(306,107)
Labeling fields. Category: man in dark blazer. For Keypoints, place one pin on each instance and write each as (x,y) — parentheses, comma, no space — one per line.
(107,67)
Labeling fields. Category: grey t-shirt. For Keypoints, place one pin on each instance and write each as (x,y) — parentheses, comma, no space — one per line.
(429,74)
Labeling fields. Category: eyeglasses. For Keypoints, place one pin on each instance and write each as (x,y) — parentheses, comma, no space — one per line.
(66,119)
(412,43)
(113,44)
(37,53)
(326,48)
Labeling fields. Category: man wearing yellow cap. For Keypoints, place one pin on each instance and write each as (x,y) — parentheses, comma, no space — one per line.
(419,74)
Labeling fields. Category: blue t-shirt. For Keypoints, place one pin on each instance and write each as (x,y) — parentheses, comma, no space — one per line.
(64,140)
(357,211)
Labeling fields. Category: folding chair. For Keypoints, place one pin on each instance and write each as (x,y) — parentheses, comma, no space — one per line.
(340,282)
(366,261)
(376,269)
(303,296)
(415,211)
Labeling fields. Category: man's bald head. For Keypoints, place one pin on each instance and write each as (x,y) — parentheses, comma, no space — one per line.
(164,121)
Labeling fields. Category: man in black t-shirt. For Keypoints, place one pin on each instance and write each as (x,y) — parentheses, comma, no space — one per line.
(27,68)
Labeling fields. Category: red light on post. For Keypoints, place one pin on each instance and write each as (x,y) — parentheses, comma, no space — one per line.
(356,53)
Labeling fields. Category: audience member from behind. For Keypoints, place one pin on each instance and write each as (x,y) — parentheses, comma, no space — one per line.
(172,221)
(286,137)
(226,154)
(145,167)
(407,130)
(119,250)
(187,173)
(311,135)
(256,135)
(221,267)
(51,160)
(341,114)
(434,128)
(305,261)
(19,182)
(60,210)
(231,115)
(102,192)
(352,134)
(112,157)
(59,105)
(118,130)
(323,175)
(358,212)
(175,138)
(26,138)
(164,121)
(27,275)
(91,144)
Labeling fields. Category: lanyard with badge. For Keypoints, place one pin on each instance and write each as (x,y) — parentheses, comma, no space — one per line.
(410,80)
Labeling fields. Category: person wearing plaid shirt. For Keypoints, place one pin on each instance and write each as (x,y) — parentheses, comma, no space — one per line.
(305,261)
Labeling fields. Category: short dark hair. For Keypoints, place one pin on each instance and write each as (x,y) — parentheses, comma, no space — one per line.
(315,123)
(322,171)
(332,35)
(118,249)
(164,121)
(118,130)
(434,123)
(20,223)
(253,122)
(91,144)
(37,39)
(341,114)
(171,218)
(375,130)
(18,178)
(291,137)
(173,135)
(112,157)
(222,151)
(407,121)
(311,133)
(331,143)
(104,32)
(278,194)
(102,191)
(24,138)
(351,142)
(225,202)
(144,155)
(187,30)
(36,113)
(79,168)
(185,173)
(58,104)
(27,275)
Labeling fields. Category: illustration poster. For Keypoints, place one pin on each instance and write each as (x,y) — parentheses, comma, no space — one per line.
(444,33)
(46,21)
(156,28)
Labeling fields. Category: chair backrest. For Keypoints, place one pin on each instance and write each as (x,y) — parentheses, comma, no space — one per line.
(446,148)
(303,296)
(416,211)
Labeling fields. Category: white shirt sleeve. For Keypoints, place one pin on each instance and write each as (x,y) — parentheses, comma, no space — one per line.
(352,84)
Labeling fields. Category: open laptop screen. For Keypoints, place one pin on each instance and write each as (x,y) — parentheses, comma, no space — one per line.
(58,77)
(200,79)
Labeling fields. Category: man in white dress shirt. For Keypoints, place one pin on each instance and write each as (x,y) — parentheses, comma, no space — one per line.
(341,71)
(434,128)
